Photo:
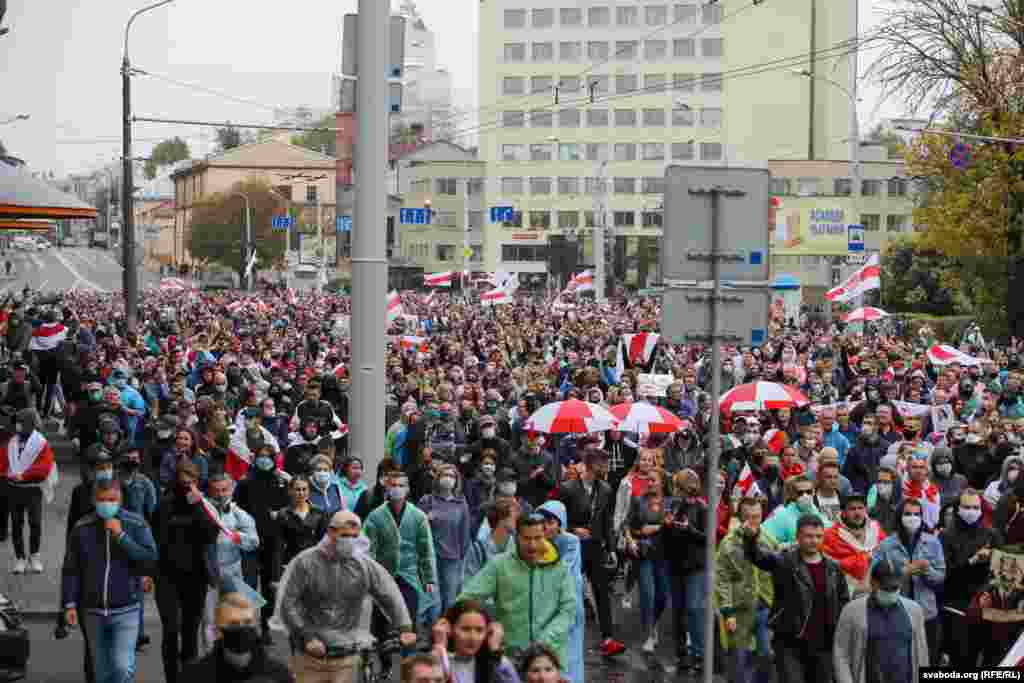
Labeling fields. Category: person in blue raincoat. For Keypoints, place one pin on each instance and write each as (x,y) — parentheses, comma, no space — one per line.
(569,549)
(133,405)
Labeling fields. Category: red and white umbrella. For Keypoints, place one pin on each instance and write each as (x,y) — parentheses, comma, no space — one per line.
(865,314)
(642,416)
(762,396)
(572,416)
(172,284)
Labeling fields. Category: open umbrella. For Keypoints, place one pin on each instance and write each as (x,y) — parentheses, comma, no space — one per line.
(642,416)
(572,416)
(865,314)
(762,396)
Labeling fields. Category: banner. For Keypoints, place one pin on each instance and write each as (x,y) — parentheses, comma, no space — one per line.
(1007,586)
(808,226)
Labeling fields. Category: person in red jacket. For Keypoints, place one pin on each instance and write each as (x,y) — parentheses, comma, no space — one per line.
(26,464)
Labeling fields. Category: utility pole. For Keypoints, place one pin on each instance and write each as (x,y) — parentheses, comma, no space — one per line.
(599,233)
(465,243)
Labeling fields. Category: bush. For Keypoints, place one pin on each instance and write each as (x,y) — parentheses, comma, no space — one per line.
(947,328)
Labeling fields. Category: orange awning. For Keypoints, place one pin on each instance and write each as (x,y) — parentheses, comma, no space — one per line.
(22,196)
(41,226)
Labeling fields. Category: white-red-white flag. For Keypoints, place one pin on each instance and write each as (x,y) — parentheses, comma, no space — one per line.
(746,484)
(866,278)
(439,279)
(411,342)
(638,348)
(581,282)
(495,297)
(394,307)
(47,337)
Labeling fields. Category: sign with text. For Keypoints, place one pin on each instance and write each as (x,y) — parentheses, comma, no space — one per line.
(855,238)
(807,226)
(500,214)
(414,216)
(281,223)
(343,224)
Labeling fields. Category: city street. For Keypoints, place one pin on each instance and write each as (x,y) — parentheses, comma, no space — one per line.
(66,269)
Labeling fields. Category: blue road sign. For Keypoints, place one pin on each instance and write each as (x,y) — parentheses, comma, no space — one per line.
(282,223)
(414,216)
(855,239)
(500,214)
(960,155)
(343,224)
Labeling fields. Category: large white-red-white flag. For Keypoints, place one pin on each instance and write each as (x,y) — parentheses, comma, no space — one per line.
(638,348)
(394,307)
(496,296)
(866,278)
(439,279)
(47,337)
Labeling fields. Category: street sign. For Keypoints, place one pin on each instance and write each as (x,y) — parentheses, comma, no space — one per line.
(742,315)
(500,214)
(855,238)
(414,216)
(743,225)
(282,223)
(343,224)
(960,155)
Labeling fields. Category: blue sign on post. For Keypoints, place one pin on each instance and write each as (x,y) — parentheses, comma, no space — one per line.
(282,223)
(501,214)
(343,224)
(855,239)
(414,216)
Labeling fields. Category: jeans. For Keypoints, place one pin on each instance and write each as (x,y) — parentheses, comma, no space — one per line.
(449,585)
(26,501)
(745,666)
(112,638)
(688,605)
(654,578)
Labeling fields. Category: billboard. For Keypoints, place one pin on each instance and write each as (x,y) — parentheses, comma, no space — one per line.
(811,227)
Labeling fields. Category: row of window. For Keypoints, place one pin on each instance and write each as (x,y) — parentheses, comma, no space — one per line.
(421,251)
(570,117)
(841,187)
(619,50)
(601,16)
(598,151)
(624,83)
(571,220)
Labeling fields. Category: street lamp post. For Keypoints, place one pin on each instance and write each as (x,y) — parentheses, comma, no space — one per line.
(247,244)
(130,274)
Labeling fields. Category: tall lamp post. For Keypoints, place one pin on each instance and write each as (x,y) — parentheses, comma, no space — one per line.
(247,244)
(130,274)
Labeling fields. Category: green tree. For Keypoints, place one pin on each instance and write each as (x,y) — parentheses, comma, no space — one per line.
(891,141)
(166,153)
(915,279)
(218,224)
(323,141)
(230,137)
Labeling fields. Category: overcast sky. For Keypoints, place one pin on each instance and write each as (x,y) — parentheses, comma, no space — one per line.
(61,65)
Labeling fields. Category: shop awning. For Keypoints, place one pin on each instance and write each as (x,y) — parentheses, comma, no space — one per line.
(14,224)
(22,196)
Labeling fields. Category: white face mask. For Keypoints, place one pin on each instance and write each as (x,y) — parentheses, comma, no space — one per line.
(973,439)
(969,515)
(446,483)
(911,523)
(488,432)
(945,469)
(884,489)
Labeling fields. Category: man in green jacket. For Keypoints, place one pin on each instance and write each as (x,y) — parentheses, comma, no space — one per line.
(533,593)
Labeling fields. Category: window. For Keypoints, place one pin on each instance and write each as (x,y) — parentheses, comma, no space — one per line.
(711,117)
(568,151)
(568,185)
(515,18)
(781,186)
(712,47)
(569,118)
(596,151)
(684,14)
(711,14)
(683,82)
(625,117)
(515,52)
(515,221)
(653,151)
(711,82)
(526,253)
(624,185)
(895,223)
(513,85)
(897,187)
(807,187)
(597,118)
(421,186)
(624,219)
(444,219)
(569,84)
(627,50)
(511,186)
(682,151)
(540,152)
(656,15)
(540,185)
(683,116)
(655,49)
(654,82)
(683,47)
(568,219)
(594,186)
(569,51)
(599,16)
(653,185)
(541,118)
(444,252)
(511,152)
(513,119)
(474,186)
(543,52)
(570,16)
(711,151)
(448,186)
(626,83)
(541,84)
(871,188)
(540,219)
(652,219)
(311,194)
(597,50)
(654,117)
(543,17)
(627,16)
(600,84)
(625,151)
(842,187)
(872,222)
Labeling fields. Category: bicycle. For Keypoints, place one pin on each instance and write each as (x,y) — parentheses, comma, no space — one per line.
(371,659)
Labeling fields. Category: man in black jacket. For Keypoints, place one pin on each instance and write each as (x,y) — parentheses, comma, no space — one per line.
(810,593)
(590,504)
(238,655)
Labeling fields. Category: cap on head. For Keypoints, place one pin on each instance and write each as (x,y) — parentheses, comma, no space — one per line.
(888,576)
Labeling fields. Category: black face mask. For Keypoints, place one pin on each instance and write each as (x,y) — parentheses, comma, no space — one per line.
(241,638)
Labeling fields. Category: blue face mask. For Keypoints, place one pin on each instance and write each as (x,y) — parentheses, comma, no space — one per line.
(264,463)
(120,383)
(107,509)
(105,475)
(887,598)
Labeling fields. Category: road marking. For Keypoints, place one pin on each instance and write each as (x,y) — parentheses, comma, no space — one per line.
(78,276)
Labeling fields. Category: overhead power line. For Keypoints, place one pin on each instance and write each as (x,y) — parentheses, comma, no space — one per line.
(228,124)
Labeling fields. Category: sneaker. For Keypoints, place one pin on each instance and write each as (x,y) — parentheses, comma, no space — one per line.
(36,564)
(611,647)
(20,566)
(649,644)
(627,601)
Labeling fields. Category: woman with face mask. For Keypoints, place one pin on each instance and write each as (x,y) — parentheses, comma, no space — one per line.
(300,525)
(480,489)
(450,525)
(325,494)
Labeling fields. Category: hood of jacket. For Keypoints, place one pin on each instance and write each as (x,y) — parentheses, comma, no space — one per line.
(556,509)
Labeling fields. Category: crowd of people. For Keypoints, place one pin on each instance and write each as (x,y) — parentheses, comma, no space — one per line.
(862,533)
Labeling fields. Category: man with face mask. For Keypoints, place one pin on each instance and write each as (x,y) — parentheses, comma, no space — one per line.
(881,636)
(340,572)
(26,465)
(852,540)
(488,439)
(864,458)
(83,425)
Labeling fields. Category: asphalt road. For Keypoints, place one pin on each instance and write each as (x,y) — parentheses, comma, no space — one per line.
(66,269)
